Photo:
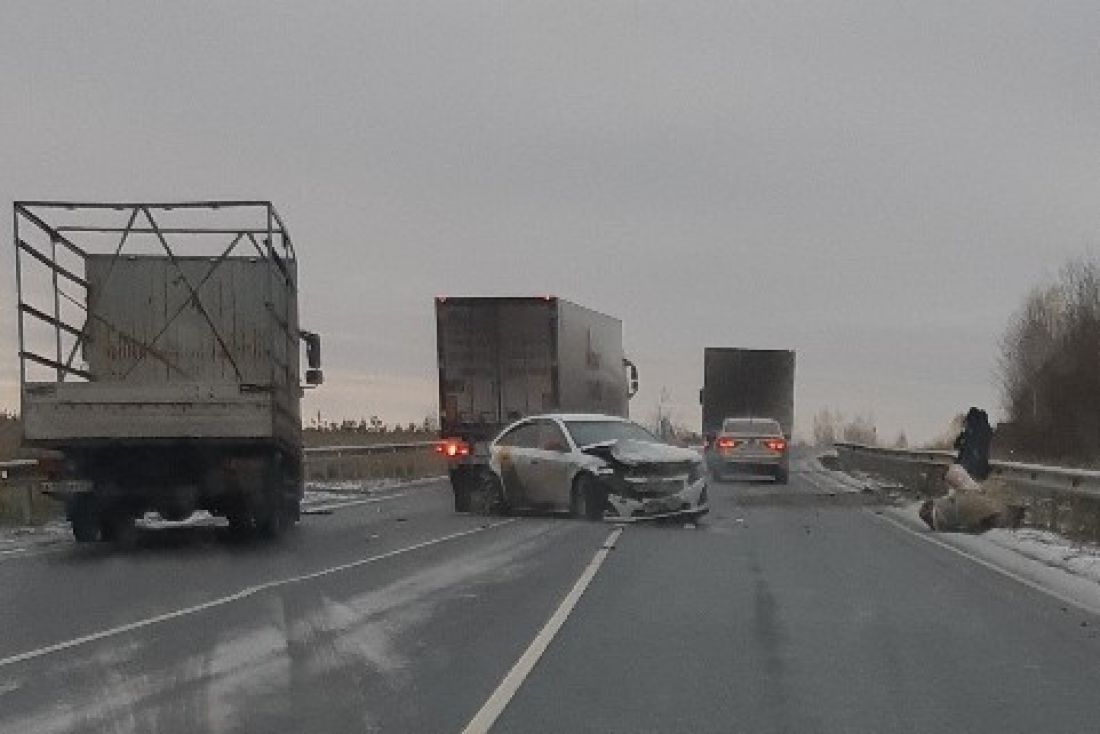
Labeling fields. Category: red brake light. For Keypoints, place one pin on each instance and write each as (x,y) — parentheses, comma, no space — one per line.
(726,443)
(776,444)
(452,448)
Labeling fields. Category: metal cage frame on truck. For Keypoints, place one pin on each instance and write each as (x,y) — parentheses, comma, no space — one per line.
(159,352)
(31,221)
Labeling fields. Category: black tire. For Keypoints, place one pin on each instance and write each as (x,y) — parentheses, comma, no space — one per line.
(116,527)
(240,523)
(462,497)
(271,522)
(270,513)
(84,518)
(460,485)
(85,530)
(782,475)
(293,512)
(588,499)
(490,495)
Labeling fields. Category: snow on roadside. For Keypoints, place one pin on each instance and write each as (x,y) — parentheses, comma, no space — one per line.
(841,481)
(1080,559)
(361,486)
(324,492)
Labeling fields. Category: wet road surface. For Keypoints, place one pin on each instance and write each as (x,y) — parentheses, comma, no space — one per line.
(788,609)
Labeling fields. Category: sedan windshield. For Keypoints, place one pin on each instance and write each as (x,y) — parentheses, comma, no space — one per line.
(586,433)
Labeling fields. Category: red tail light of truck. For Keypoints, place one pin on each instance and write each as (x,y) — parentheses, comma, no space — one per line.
(452,448)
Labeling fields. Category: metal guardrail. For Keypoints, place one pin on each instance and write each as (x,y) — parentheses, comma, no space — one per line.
(28,465)
(19,479)
(1032,478)
(21,499)
(16,465)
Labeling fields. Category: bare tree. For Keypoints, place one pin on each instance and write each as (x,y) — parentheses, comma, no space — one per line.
(862,430)
(1050,384)
(825,428)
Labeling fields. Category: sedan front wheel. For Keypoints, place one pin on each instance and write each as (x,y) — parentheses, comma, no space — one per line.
(589,498)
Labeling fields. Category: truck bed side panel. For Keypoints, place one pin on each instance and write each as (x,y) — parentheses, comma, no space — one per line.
(590,362)
(196,348)
(68,413)
(148,327)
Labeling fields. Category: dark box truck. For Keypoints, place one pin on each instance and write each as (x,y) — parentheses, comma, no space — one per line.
(747,383)
(501,359)
(160,355)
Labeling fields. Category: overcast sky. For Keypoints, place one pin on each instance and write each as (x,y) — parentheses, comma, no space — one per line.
(874,184)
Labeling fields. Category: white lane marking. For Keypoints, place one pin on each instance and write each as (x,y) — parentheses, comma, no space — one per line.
(492,709)
(991,566)
(307,509)
(238,596)
(15,550)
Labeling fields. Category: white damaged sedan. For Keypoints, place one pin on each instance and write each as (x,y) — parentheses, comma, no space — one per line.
(595,467)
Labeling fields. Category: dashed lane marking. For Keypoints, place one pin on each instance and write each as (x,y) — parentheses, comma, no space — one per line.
(492,709)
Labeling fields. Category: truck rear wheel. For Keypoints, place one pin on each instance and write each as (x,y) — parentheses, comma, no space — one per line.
(84,518)
(240,523)
(271,512)
(116,526)
(490,495)
(270,523)
(460,483)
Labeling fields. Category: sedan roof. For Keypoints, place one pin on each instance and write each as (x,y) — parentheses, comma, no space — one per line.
(580,417)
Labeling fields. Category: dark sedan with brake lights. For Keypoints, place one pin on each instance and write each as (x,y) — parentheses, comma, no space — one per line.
(595,467)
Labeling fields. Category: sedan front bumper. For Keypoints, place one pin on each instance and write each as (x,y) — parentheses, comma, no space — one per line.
(690,502)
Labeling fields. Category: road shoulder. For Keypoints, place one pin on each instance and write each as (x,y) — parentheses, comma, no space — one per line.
(999,552)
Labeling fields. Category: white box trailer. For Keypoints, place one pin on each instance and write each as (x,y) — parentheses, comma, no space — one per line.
(159,352)
(747,383)
(504,358)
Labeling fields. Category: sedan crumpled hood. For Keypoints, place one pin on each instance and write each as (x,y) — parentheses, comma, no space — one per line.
(630,452)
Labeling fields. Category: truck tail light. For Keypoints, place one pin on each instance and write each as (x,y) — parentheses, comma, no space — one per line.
(726,443)
(452,448)
(776,444)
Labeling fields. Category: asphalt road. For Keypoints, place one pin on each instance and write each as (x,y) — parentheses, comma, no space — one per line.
(788,609)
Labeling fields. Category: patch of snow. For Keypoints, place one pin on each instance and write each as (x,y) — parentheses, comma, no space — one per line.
(1080,559)
(362,486)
